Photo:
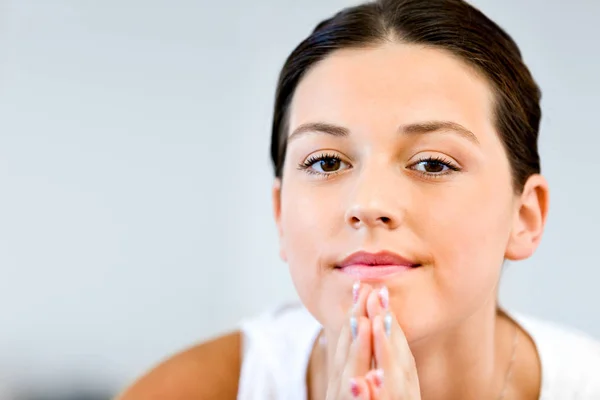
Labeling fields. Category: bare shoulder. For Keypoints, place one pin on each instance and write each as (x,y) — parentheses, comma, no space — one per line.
(209,370)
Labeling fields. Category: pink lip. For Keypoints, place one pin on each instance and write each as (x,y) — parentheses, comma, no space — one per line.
(376,259)
(365,266)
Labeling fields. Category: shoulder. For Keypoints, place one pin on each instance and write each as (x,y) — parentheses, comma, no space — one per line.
(268,355)
(185,375)
(570,359)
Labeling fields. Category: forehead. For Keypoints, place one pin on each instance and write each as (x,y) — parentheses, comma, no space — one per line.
(391,85)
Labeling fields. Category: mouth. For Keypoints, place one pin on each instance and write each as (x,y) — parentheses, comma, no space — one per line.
(375,266)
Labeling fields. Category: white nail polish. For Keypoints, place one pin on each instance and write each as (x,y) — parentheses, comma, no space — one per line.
(354,327)
(384,297)
(355,292)
(379,377)
(387,324)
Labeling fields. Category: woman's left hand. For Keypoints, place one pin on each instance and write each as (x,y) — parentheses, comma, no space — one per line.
(395,374)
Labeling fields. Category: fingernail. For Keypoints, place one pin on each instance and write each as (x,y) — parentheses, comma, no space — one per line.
(384,297)
(378,378)
(387,324)
(354,327)
(355,291)
(354,388)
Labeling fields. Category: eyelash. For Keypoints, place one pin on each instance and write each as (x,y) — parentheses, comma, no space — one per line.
(452,167)
(312,160)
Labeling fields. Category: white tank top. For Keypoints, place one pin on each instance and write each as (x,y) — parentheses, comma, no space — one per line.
(277,346)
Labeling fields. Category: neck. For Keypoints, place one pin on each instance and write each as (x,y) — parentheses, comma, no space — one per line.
(466,361)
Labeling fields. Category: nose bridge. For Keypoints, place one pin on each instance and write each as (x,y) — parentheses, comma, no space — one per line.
(377,197)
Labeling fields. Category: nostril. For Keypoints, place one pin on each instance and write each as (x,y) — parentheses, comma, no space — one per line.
(370,218)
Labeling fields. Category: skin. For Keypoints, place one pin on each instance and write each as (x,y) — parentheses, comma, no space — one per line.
(185,375)
(395,375)
(377,191)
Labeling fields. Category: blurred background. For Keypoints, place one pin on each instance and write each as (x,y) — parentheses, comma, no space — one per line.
(135,209)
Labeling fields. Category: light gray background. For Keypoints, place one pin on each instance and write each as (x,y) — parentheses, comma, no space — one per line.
(135,210)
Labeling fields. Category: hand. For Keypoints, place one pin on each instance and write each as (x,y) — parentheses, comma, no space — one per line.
(395,376)
(379,341)
(354,352)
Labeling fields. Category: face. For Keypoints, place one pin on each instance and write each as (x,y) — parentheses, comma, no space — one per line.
(393,149)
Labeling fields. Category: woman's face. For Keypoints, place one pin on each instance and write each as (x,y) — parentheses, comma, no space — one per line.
(393,148)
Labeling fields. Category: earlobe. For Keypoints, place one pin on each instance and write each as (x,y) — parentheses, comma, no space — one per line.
(529,220)
(276,198)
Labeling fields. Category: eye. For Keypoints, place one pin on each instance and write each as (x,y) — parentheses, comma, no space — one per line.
(434,166)
(324,164)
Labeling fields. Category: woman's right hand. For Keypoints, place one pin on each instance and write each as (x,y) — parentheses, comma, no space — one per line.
(354,352)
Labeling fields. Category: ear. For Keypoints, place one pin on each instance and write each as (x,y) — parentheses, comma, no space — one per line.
(529,220)
(276,194)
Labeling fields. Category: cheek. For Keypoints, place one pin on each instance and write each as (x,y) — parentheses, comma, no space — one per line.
(468,235)
(309,220)
(305,216)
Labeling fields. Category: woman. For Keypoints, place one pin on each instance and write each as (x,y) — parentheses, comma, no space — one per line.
(406,172)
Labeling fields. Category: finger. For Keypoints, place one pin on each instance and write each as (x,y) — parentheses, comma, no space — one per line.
(375,380)
(360,294)
(393,355)
(344,341)
(359,388)
(377,302)
(391,345)
(360,353)
(353,355)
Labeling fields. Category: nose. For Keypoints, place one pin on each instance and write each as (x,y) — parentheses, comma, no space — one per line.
(377,202)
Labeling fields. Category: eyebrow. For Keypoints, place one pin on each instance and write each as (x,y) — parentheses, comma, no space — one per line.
(318,127)
(440,126)
(409,129)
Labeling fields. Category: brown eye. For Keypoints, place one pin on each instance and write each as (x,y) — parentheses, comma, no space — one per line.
(434,167)
(329,164)
(324,164)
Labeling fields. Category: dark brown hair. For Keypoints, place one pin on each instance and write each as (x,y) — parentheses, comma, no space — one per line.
(452,25)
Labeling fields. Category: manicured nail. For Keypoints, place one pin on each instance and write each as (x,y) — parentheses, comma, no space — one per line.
(378,378)
(354,388)
(354,327)
(355,292)
(387,324)
(384,297)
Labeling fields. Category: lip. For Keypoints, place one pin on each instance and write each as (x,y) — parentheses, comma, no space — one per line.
(373,266)
(382,258)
